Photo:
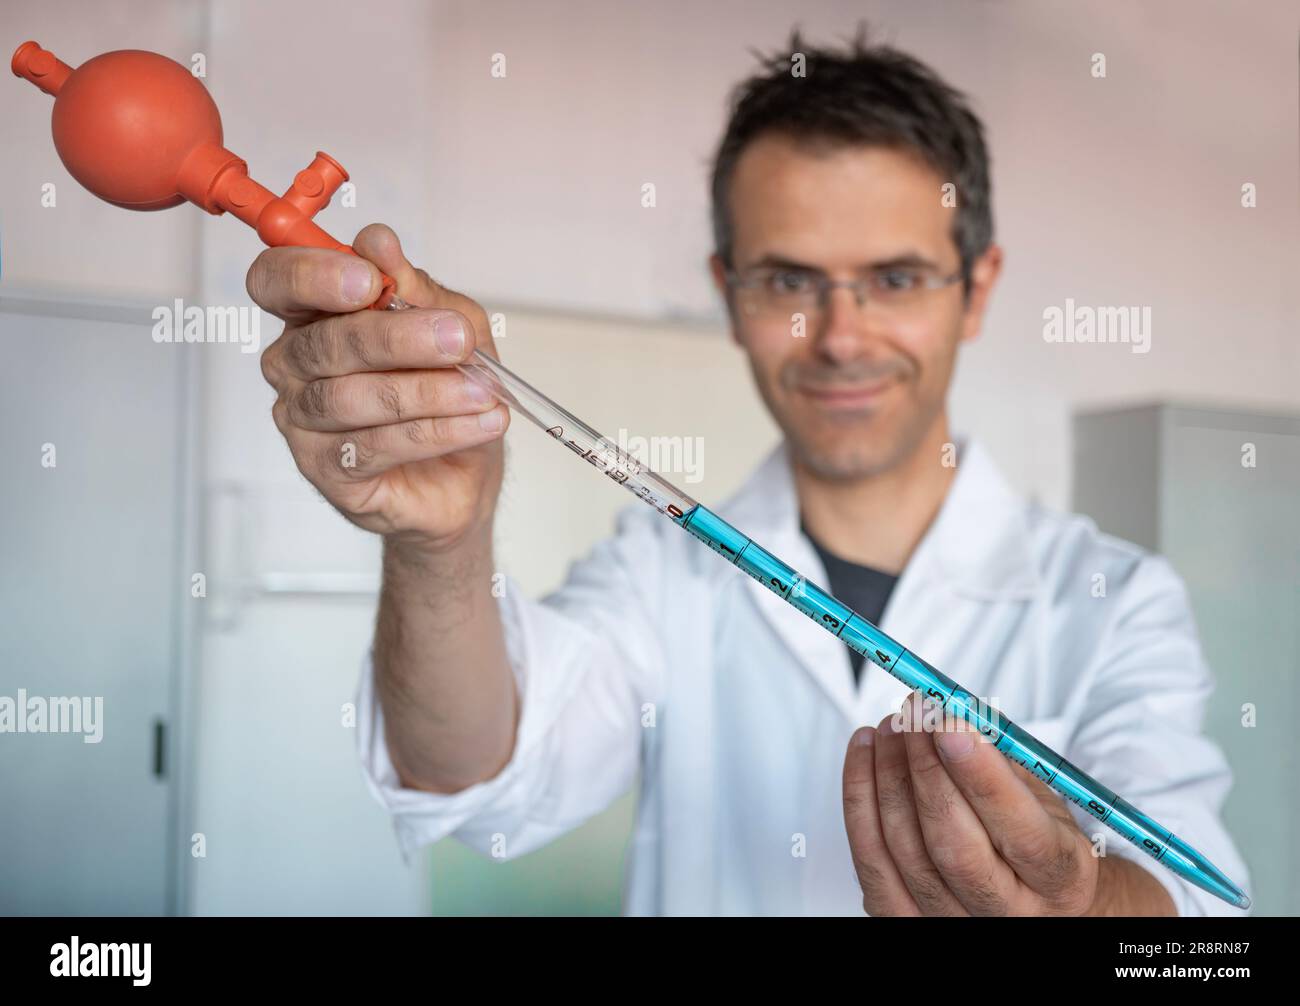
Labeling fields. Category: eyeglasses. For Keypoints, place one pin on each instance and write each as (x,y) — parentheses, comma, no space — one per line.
(772,291)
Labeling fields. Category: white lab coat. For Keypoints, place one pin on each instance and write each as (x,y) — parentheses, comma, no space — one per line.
(656,655)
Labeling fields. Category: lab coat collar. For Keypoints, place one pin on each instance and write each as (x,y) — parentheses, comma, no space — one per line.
(978,544)
(977,550)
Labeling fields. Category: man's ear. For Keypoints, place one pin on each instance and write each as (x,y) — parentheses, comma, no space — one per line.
(983,277)
(718,269)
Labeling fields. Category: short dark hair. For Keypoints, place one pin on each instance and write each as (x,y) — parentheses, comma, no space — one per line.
(866,94)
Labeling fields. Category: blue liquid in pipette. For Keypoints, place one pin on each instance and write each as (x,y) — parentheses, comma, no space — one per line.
(1021,747)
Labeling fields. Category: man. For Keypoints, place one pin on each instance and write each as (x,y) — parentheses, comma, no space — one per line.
(854,248)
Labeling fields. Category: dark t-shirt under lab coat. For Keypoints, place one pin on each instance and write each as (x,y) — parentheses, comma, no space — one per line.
(864,589)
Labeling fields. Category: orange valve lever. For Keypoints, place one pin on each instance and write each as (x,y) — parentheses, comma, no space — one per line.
(140,131)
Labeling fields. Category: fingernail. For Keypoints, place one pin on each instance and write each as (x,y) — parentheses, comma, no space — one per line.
(864,737)
(356,282)
(956,744)
(475,392)
(490,421)
(449,335)
(893,725)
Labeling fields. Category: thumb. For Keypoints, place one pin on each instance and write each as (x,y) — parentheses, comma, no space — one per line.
(379,244)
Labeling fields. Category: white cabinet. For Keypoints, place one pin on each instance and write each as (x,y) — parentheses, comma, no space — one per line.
(92,588)
(1218,493)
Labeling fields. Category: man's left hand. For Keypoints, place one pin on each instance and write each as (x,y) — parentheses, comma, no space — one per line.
(940,823)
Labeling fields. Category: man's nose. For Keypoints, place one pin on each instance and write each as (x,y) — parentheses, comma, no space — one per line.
(845,328)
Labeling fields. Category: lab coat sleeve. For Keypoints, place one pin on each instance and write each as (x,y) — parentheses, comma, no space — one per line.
(585,660)
(1141,734)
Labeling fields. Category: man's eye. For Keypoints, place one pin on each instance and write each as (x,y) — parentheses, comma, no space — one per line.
(789,281)
(896,280)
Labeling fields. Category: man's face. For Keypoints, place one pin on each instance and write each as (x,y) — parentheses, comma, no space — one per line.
(858,392)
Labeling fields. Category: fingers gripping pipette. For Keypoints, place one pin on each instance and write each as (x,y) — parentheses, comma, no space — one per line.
(138,130)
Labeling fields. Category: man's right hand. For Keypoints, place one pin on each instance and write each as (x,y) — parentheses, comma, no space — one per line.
(370,402)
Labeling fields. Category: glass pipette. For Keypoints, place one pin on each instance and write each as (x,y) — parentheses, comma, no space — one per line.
(850,628)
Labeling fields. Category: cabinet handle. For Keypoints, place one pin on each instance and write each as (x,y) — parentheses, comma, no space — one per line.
(159,749)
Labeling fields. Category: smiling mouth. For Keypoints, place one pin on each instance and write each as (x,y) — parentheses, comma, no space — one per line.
(852,398)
